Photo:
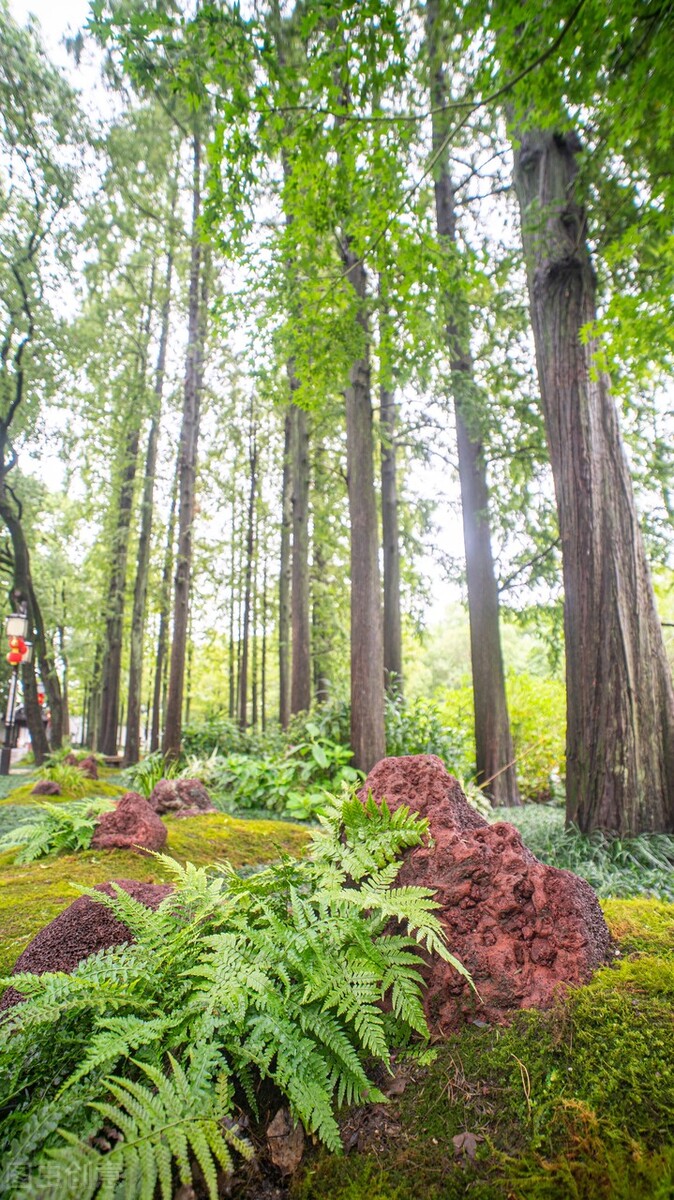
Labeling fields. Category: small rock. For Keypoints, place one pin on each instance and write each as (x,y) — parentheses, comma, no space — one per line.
(286,1142)
(46,787)
(89,767)
(179,795)
(132,825)
(84,928)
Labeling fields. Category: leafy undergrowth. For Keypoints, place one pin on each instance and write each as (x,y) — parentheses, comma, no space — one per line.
(575,1103)
(32,895)
(615,867)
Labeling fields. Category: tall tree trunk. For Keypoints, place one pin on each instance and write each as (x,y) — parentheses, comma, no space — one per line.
(263,665)
(132,748)
(493,740)
(232,610)
(164,611)
(48,671)
(368,739)
(393,646)
(112,656)
(248,575)
(285,575)
(189,436)
(620,700)
(300,689)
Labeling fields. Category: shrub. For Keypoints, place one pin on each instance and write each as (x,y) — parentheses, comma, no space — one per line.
(417,727)
(127,1068)
(69,778)
(144,775)
(537,709)
(614,866)
(52,828)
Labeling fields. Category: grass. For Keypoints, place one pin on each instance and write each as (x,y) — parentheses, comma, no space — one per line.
(615,867)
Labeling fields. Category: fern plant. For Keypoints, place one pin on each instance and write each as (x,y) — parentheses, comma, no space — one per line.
(69,778)
(123,1074)
(144,775)
(52,828)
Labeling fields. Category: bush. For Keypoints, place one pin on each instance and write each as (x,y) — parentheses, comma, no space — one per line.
(614,866)
(417,727)
(69,778)
(136,1064)
(144,775)
(537,710)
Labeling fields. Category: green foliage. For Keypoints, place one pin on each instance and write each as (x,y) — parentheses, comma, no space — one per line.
(614,866)
(143,776)
(279,977)
(417,727)
(53,828)
(69,778)
(537,709)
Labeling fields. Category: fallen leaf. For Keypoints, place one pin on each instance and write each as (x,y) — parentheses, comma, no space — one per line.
(465,1143)
(286,1142)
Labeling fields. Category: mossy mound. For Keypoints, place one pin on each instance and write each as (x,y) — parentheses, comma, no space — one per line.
(577,1102)
(32,895)
(91,787)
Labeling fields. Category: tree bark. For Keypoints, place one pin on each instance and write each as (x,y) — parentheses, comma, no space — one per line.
(493,740)
(250,549)
(300,689)
(285,572)
(189,437)
(132,748)
(368,739)
(620,700)
(164,608)
(393,647)
(112,657)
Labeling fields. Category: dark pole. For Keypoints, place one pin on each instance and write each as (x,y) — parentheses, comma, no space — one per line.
(6,752)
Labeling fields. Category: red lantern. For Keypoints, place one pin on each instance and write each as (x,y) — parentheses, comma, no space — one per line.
(40,697)
(15,657)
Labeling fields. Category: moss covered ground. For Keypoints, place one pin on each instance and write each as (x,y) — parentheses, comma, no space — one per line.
(574,1103)
(33,894)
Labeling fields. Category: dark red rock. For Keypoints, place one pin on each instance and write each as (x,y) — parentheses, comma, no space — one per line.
(83,928)
(89,767)
(524,930)
(71,760)
(178,795)
(46,787)
(132,824)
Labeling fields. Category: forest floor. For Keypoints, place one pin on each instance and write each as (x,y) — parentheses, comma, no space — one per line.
(575,1103)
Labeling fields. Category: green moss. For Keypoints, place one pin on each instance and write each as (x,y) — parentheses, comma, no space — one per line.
(32,895)
(577,1102)
(94,787)
(641,925)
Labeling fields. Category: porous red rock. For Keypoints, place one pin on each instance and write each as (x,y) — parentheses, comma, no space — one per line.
(84,928)
(524,930)
(89,767)
(46,787)
(131,825)
(178,795)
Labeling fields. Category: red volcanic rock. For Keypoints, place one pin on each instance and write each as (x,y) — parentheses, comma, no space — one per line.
(89,767)
(522,929)
(179,795)
(71,760)
(130,825)
(84,928)
(46,787)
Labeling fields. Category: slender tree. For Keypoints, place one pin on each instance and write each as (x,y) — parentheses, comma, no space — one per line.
(493,741)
